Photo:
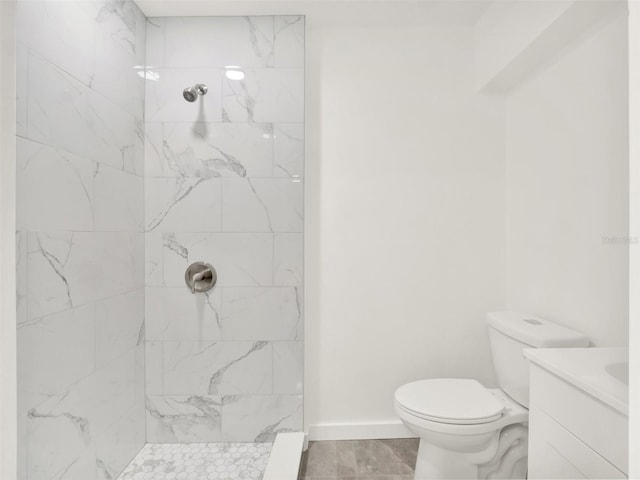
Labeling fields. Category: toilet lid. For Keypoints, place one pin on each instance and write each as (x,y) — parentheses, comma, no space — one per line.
(450,400)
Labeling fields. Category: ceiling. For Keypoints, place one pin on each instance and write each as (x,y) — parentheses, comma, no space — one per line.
(344,13)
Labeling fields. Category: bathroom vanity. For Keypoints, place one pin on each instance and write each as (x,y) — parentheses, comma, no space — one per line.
(578,413)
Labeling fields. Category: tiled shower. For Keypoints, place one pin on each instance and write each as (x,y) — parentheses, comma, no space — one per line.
(121,185)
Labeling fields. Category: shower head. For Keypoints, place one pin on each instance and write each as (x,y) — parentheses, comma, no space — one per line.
(190,94)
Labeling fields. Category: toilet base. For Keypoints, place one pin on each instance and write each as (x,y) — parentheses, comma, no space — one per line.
(436,463)
(505,458)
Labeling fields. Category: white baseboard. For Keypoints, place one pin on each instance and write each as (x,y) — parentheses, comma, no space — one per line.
(358,431)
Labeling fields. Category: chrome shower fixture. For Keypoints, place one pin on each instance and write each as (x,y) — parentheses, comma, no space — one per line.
(190,94)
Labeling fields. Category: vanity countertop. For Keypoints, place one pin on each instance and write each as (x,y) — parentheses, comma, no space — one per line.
(600,372)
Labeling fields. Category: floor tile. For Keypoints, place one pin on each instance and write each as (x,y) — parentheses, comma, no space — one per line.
(379,477)
(388,459)
(383,457)
(405,449)
(199,461)
(346,458)
(321,460)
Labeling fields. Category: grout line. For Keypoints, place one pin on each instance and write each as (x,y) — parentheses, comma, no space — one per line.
(273,258)
(222,196)
(26,99)
(76,306)
(161,367)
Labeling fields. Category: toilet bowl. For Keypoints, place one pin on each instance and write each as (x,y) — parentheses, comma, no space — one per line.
(469,431)
(460,429)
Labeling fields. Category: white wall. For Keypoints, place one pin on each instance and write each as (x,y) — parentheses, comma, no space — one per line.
(567,195)
(507,29)
(405,205)
(513,39)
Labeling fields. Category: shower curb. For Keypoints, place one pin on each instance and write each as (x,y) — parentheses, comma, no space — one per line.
(284,461)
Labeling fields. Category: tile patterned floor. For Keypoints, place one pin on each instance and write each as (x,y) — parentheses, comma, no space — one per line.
(360,460)
(199,461)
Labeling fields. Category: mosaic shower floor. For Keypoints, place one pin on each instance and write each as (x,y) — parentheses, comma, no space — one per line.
(199,461)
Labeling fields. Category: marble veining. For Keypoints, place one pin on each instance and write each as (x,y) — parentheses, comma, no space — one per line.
(262,204)
(119,325)
(57,266)
(69,115)
(121,184)
(80,218)
(216,378)
(241,259)
(175,204)
(260,418)
(42,172)
(219,160)
(224,184)
(265,95)
(288,150)
(288,259)
(199,461)
(211,149)
(74,268)
(66,35)
(289,41)
(172,313)
(248,41)
(183,418)
(65,343)
(64,431)
(268,313)
(215,368)
(122,15)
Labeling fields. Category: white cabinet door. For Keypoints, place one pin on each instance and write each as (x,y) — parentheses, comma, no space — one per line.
(602,428)
(555,453)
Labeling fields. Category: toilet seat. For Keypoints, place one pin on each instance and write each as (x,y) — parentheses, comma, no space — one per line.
(512,413)
(460,401)
(448,421)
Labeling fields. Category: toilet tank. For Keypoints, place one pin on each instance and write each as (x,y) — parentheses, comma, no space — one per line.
(510,333)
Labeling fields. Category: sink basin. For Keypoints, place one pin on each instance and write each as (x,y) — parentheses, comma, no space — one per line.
(619,371)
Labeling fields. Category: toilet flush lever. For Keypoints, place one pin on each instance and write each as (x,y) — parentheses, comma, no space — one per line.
(200,277)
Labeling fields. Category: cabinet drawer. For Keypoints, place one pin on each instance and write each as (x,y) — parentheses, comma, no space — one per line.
(555,453)
(601,427)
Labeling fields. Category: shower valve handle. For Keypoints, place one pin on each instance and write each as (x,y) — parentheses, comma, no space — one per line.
(200,277)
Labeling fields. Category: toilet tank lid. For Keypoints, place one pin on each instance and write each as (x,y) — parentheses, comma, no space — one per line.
(535,331)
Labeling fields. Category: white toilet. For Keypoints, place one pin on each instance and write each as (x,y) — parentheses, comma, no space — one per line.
(469,431)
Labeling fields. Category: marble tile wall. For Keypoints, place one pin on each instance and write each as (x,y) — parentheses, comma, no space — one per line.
(80,216)
(224,185)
